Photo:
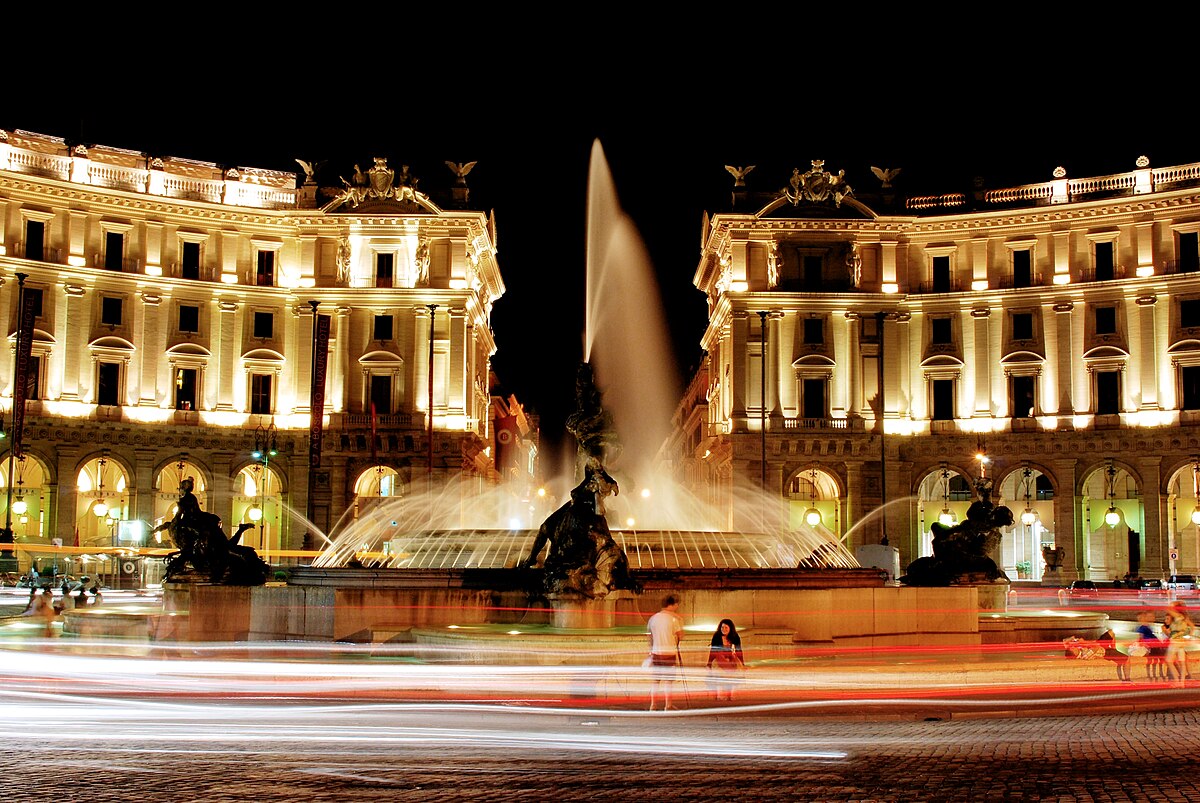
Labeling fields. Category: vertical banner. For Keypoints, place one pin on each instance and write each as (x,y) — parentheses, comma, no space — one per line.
(317,397)
(21,389)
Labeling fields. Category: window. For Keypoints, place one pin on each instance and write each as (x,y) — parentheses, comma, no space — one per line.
(1021,403)
(1189,380)
(265,275)
(1106,320)
(383,327)
(1189,252)
(114,250)
(189,318)
(33,380)
(942,331)
(943,399)
(1104,261)
(189,264)
(108,384)
(812,272)
(1042,488)
(813,398)
(264,324)
(1022,326)
(1189,313)
(384,267)
(381,394)
(941,274)
(1022,267)
(1108,392)
(35,240)
(35,294)
(185,388)
(260,394)
(814,331)
(110,311)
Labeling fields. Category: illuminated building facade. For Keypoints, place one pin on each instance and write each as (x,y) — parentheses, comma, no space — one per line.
(175,311)
(1053,328)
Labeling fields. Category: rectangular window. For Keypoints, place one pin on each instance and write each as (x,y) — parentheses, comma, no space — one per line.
(1105,265)
(264,324)
(35,293)
(1189,380)
(814,331)
(943,400)
(814,398)
(185,388)
(260,394)
(1022,401)
(383,327)
(189,318)
(381,394)
(33,380)
(1022,326)
(941,274)
(35,240)
(265,275)
(942,331)
(114,250)
(1189,252)
(189,263)
(812,272)
(1108,392)
(1022,268)
(1189,313)
(384,267)
(110,311)
(1106,320)
(108,384)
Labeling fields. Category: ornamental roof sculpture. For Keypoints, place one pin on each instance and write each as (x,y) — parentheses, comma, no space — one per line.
(817,185)
(379,186)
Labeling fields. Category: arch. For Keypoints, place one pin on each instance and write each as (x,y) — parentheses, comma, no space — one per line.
(111,343)
(381,357)
(942,361)
(263,355)
(259,494)
(1180,492)
(104,494)
(1022,358)
(188,350)
(1105,353)
(34,494)
(1185,346)
(814,361)
(1110,498)
(815,496)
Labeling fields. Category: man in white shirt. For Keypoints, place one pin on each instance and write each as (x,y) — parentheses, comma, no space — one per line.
(665,629)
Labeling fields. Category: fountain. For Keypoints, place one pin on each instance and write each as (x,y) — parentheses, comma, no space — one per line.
(430,569)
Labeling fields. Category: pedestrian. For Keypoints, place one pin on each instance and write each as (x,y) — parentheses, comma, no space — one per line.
(725,659)
(1154,646)
(81,599)
(1108,642)
(96,597)
(1179,631)
(664,630)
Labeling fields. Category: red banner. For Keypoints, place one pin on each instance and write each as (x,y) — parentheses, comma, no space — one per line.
(21,390)
(317,404)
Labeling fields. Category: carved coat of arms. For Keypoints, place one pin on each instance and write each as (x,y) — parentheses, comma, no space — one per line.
(817,185)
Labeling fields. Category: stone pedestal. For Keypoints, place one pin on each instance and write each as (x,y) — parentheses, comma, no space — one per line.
(576,612)
(992,597)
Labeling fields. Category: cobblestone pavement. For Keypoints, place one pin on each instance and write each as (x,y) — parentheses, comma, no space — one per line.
(356,753)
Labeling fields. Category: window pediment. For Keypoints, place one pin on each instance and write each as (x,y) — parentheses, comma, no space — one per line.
(109,343)
(380,358)
(189,350)
(1022,357)
(1105,353)
(940,361)
(814,361)
(263,356)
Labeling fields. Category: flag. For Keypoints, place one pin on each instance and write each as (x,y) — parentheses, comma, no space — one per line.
(317,393)
(24,350)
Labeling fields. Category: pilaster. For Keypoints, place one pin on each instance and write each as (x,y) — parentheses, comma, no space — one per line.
(226,330)
(1147,353)
(71,330)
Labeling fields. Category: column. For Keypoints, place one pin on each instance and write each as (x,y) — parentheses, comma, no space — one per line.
(777,371)
(72,307)
(338,369)
(888,267)
(1154,507)
(3,216)
(228,258)
(977,248)
(421,367)
(152,337)
(1062,257)
(1067,532)
(76,238)
(1144,238)
(1147,353)
(226,331)
(308,260)
(66,515)
(982,404)
(847,377)
(142,495)
(458,387)
(855,509)
(222,490)
(154,239)
(739,342)
(1065,369)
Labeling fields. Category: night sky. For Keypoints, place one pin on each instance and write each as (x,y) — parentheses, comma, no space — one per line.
(667,141)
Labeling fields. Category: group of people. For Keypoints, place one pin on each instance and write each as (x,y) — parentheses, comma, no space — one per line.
(42,604)
(665,630)
(1164,646)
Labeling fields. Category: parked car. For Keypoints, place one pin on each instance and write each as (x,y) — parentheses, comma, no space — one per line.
(1082,589)
(1181,582)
